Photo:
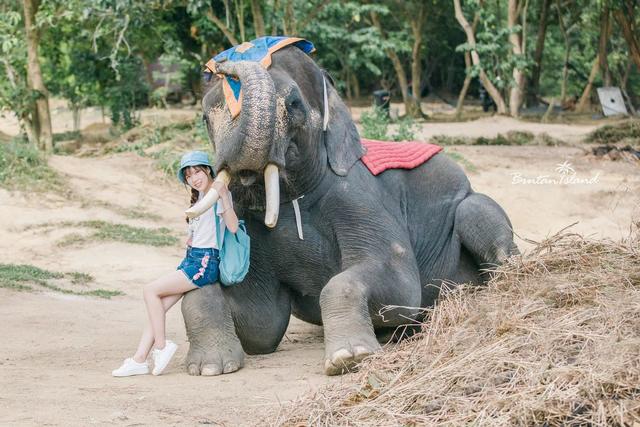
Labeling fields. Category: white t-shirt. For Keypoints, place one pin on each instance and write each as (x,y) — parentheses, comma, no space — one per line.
(202,230)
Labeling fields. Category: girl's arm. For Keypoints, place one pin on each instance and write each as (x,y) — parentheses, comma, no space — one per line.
(229,215)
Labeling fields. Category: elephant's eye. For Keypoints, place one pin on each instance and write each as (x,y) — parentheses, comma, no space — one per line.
(294,104)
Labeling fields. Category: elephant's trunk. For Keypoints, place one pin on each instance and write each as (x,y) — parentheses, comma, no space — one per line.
(247,145)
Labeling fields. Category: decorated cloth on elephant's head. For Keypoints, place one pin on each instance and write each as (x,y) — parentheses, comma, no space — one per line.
(383,155)
(258,50)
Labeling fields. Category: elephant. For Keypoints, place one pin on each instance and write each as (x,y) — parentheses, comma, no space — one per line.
(361,243)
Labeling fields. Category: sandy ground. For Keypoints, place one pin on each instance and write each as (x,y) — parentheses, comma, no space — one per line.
(58,351)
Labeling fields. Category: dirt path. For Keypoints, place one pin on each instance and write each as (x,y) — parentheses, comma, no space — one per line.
(58,351)
(541,198)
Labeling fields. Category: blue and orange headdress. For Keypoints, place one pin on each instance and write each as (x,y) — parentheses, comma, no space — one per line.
(258,50)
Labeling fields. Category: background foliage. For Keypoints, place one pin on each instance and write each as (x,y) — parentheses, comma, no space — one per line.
(99,53)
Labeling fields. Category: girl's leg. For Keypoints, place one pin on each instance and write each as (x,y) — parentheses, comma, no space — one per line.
(175,283)
(146,341)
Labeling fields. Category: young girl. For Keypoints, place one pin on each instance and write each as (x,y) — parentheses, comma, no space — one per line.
(199,267)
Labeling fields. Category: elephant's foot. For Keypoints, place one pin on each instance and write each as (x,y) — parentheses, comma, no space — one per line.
(485,230)
(342,358)
(214,346)
(214,360)
(348,332)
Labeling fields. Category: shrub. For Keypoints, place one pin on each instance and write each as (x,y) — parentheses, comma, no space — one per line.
(23,167)
(609,134)
(375,124)
(406,130)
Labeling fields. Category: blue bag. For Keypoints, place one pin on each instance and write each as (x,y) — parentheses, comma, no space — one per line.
(234,252)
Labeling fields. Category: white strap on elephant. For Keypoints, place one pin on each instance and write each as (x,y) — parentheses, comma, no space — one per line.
(296,211)
(325,122)
(325,98)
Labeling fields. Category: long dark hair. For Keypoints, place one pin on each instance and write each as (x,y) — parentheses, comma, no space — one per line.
(195,193)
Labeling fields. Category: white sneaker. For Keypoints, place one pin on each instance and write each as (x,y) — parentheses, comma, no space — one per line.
(161,358)
(131,367)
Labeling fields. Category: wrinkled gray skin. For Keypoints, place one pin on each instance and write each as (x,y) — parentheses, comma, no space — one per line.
(368,241)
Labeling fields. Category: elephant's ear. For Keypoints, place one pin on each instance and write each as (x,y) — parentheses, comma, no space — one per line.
(342,140)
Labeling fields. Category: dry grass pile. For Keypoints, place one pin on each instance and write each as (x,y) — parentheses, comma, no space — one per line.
(625,132)
(509,138)
(554,339)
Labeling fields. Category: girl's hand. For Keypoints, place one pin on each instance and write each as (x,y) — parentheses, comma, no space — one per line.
(221,188)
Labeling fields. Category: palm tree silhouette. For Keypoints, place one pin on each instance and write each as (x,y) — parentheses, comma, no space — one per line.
(565,168)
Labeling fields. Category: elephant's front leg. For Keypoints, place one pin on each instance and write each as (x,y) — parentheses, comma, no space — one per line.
(347,303)
(214,346)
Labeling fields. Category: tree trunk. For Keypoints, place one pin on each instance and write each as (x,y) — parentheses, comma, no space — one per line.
(467,68)
(355,83)
(290,20)
(605,30)
(274,18)
(567,49)
(625,19)
(24,118)
(624,79)
(517,41)
(240,18)
(401,75)
(221,25)
(258,18)
(32,135)
(402,80)
(533,91)
(465,85)
(416,30)
(547,114)
(475,58)
(148,74)
(75,110)
(347,79)
(34,77)
(584,99)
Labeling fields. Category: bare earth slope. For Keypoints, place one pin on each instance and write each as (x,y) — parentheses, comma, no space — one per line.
(58,350)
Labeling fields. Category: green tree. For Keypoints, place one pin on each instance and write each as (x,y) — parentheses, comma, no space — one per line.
(15,95)
(22,89)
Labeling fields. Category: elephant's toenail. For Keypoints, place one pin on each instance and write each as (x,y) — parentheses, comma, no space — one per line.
(231,367)
(361,352)
(211,370)
(339,357)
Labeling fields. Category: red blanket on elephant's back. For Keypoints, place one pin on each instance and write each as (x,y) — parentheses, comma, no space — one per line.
(383,155)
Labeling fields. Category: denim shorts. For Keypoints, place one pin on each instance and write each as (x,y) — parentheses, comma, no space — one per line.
(200,265)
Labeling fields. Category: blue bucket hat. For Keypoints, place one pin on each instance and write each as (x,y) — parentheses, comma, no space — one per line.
(193,158)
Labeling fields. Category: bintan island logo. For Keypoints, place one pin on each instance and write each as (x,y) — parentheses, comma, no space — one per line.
(565,175)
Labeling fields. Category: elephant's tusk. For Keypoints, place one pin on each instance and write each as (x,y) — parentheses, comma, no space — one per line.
(272,189)
(210,198)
